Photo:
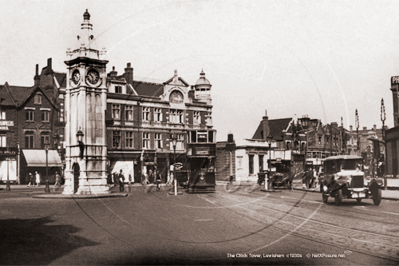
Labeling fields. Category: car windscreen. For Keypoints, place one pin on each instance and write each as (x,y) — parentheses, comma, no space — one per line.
(335,166)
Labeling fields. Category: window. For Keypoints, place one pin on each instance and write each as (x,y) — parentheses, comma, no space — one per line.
(129,112)
(30,115)
(116,111)
(261,163)
(146,113)
(197,118)
(176,116)
(179,142)
(38,98)
(3,141)
(29,139)
(3,115)
(319,139)
(251,164)
(129,139)
(118,89)
(158,141)
(146,140)
(46,116)
(116,139)
(158,114)
(288,145)
(44,138)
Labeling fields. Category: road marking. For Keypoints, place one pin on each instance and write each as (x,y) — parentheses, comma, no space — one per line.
(203,220)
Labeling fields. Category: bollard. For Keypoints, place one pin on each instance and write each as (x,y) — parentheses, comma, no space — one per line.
(8,188)
(175,187)
(47,188)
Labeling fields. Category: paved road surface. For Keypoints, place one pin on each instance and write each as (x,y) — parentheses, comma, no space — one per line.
(216,228)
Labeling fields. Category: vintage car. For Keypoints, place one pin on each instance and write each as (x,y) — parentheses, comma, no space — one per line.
(343,178)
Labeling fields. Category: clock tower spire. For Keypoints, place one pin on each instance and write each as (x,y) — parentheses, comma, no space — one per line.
(85,105)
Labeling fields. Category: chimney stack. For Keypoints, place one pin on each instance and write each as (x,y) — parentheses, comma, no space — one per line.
(129,74)
(36,78)
(49,66)
(265,126)
(113,73)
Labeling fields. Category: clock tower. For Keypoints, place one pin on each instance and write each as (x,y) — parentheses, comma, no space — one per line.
(85,105)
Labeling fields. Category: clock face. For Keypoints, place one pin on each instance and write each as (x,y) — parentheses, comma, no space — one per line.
(92,76)
(75,77)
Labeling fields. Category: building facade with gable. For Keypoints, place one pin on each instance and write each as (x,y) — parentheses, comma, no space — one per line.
(139,117)
(143,115)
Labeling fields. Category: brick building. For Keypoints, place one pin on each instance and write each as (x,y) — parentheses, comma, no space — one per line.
(142,115)
(29,121)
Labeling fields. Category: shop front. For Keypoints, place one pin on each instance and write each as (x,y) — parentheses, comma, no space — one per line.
(8,164)
(33,160)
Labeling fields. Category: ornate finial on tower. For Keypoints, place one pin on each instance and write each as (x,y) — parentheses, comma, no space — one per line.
(86,15)
(86,21)
(175,77)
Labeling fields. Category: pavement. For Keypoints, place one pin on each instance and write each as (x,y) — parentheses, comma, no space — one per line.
(392,193)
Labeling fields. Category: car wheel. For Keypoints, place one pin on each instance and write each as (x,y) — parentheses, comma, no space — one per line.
(325,197)
(359,200)
(338,197)
(377,197)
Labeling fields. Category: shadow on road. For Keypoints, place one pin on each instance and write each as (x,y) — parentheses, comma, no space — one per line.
(37,241)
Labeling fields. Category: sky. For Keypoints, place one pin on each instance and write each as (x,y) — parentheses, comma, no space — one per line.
(321,59)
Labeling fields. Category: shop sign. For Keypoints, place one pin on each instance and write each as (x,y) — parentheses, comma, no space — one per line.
(5,124)
(202,151)
(395,80)
(202,136)
(5,152)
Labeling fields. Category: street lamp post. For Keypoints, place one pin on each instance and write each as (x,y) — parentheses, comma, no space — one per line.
(268,183)
(8,188)
(79,137)
(173,138)
(46,146)
(357,129)
(383,118)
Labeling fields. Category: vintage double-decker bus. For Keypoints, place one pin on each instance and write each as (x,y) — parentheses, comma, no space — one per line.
(198,172)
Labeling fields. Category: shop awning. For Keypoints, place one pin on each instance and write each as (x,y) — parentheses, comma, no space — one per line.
(37,158)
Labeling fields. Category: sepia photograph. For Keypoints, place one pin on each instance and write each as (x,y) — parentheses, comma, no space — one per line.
(199,132)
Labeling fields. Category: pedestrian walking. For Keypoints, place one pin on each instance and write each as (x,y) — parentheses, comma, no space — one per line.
(31,180)
(170,176)
(158,179)
(121,181)
(130,180)
(37,179)
(57,179)
(116,178)
(151,177)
